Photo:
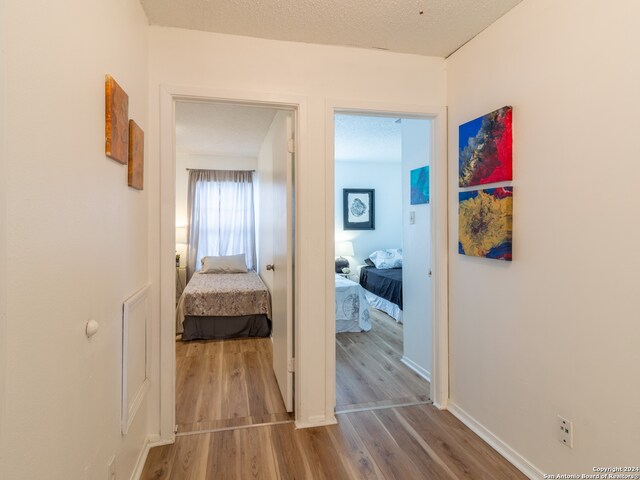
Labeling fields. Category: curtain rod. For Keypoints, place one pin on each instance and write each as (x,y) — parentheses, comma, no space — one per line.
(220,170)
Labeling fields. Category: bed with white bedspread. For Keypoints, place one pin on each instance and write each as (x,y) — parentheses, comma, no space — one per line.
(352,309)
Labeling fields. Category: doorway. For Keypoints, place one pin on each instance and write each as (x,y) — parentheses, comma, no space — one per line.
(250,375)
(383,288)
(433,340)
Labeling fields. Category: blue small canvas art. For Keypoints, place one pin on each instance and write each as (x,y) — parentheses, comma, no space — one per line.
(420,185)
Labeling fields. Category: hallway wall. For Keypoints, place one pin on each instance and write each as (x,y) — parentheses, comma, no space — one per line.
(556,330)
(76,236)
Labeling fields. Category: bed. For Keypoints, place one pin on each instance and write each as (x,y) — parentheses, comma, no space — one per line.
(228,305)
(383,289)
(352,309)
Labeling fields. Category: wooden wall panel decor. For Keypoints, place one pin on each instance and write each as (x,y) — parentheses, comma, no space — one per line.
(116,121)
(136,155)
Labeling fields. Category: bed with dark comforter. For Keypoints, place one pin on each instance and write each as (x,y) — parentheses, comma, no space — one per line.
(385,283)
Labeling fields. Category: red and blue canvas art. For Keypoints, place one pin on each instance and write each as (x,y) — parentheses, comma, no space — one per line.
(485,149)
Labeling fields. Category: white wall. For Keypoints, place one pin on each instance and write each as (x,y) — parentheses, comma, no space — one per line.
(207,162)
(317,73)
(386,179)
(416,285)
(556,331)
(76,236)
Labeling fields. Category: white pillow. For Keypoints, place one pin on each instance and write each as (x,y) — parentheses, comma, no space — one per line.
(390,258)
(228,264)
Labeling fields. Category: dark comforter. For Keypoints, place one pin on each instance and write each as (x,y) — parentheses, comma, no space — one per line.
(386,283)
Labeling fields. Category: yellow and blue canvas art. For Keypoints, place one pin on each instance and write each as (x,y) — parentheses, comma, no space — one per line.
(485,219)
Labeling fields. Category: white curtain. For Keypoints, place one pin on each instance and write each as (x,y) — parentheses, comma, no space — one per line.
(221,216)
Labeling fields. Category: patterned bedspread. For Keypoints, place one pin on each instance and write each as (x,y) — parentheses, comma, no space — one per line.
(227,294)
(223,295)
(352,309)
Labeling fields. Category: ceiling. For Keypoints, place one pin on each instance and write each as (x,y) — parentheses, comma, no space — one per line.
(367,139)
(221,130)
(424,27)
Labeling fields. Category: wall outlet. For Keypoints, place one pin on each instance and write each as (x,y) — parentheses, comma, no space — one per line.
(111,468)
(565,432)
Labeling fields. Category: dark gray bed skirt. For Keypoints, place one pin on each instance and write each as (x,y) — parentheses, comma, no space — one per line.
(202,328)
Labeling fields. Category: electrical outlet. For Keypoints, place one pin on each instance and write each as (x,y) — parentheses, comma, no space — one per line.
(111,468)
(565,432)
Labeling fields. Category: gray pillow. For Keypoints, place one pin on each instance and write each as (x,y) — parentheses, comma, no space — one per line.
(224,264)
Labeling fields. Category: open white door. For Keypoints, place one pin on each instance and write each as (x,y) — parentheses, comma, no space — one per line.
(282,287)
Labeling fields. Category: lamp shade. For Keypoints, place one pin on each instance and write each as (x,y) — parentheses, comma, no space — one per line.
(181,235)
(344,249)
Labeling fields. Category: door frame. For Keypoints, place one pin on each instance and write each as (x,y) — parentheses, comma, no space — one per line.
(439,236)
(169,95)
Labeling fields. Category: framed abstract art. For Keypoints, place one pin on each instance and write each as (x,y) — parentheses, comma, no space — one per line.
(358,209)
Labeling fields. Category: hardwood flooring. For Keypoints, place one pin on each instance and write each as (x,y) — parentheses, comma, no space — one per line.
(226,383)
(369,372)
(415,442)
(229,386)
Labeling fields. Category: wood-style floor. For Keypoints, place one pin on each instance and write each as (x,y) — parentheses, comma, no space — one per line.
(226,383)
(230,385)
(369,372)
(405,443)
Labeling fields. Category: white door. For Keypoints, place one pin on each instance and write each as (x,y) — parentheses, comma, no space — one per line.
(282,287)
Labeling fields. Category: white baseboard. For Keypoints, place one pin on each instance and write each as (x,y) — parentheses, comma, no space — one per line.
(316,421)
(498,445)
(150,442)
(416,368)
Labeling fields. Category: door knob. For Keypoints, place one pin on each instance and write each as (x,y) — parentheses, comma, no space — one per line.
(270,266)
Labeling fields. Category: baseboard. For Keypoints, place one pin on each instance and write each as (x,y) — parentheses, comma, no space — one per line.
(498,445)
(316,421)
(150,442)
(416,368)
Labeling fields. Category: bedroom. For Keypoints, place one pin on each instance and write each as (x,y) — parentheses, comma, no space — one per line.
(383,260)
(233,264)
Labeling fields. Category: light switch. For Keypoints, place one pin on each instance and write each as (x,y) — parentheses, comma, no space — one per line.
(412,217)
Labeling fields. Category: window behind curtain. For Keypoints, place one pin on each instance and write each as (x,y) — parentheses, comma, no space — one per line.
(221,215)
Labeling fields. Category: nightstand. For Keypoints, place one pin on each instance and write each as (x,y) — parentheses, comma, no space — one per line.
(353,276)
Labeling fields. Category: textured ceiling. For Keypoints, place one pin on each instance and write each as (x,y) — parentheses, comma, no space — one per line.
(367,139)
(396,25)
(221,130)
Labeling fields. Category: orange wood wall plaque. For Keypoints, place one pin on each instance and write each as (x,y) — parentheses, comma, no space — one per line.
(136,155)
(116,124)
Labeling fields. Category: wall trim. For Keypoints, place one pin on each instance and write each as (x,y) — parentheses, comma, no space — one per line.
(496,443)
(423,372)
(439,245)
(130,408)
(317,421)
(3,221)
(150,442)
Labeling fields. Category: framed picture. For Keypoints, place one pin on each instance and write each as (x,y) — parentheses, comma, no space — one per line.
(116,121)
(136,156)
(359,209)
